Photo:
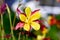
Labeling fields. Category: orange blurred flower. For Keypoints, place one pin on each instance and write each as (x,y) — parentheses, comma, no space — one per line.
(51,20)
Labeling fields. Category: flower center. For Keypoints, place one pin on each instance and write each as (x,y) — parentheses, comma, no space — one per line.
(26,21)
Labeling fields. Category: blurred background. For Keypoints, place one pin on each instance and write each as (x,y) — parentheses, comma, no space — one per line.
(47,8)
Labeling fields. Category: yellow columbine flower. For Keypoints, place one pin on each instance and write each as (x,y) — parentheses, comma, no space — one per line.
(40,37)
(45,30)
(29,19)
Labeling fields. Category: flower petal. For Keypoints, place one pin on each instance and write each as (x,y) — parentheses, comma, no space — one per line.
(35,16)
(38,21)
(22,17)
(45,30)
(3,7)
(19,25)
(51,20)
(34,11)
(35,26)
(27,27)
(18,11)
(40,37)
(28,12)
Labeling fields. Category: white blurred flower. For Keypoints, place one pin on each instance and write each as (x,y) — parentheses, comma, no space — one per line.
(16,3)
(32,4)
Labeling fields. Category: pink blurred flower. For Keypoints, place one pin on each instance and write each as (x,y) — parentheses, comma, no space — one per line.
(19,25)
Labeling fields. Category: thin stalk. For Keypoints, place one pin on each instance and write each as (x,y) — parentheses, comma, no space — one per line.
(14,19)
(2,27)
(8,10)
(26,37)
(19,36)
(6,38)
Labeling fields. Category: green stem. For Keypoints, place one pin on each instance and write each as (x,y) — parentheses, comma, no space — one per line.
(5,38)
(26,37)
(14,19)
(8,10)
(19,36)
(0,29)
(2,26)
